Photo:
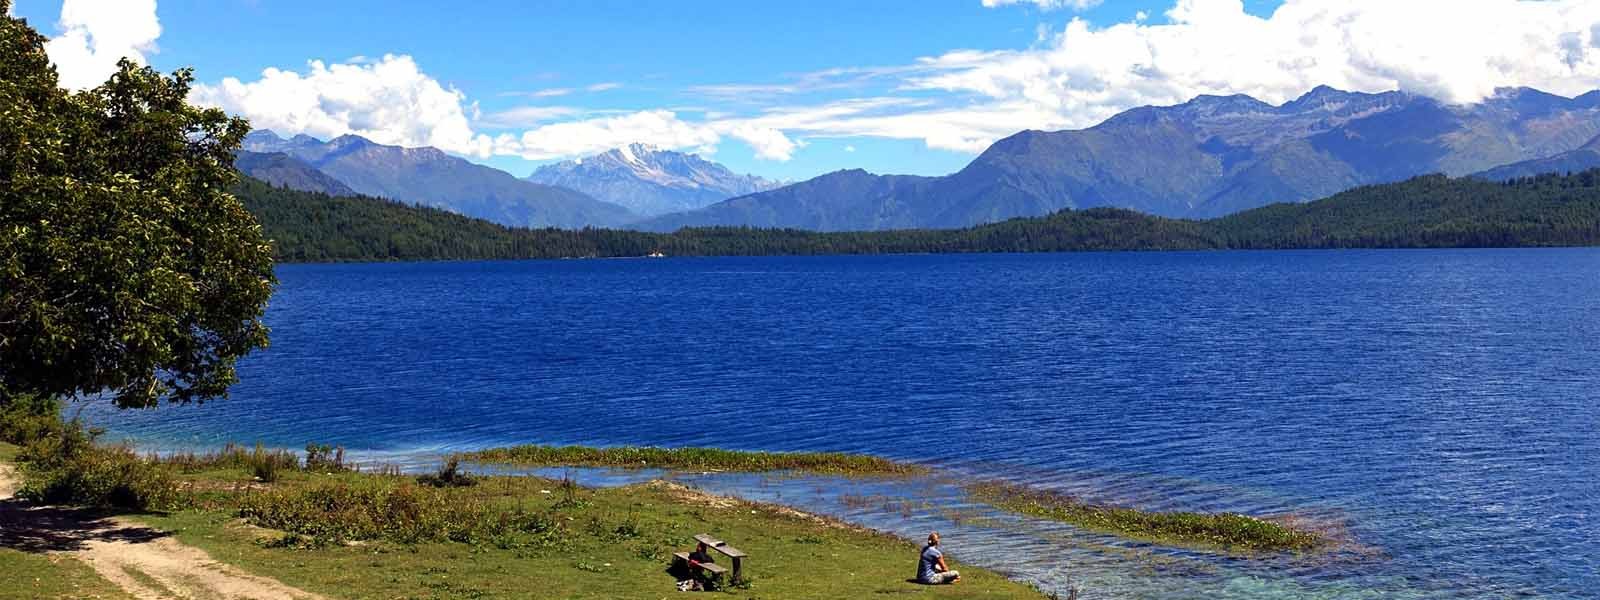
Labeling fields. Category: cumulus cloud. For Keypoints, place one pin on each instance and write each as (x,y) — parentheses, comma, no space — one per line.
(661,128)
(389,101)
(769,143)
(1457,51)
(95,34)
(1046,4)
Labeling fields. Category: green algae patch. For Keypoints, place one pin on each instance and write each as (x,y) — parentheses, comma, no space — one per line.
(693,459)
(1226,531)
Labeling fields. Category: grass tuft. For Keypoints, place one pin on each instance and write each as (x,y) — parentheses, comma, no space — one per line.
(1226,531)
(448,475)
(693,459)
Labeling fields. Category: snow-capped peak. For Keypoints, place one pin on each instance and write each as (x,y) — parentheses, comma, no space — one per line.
(649,179)
(628,155)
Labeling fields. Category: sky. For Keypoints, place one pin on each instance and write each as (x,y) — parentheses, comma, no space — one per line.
(790,90)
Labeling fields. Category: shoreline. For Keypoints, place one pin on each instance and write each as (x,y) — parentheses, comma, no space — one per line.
(952,253)
(584,538)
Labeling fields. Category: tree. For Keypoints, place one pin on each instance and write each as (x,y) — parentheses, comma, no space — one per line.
(126,266)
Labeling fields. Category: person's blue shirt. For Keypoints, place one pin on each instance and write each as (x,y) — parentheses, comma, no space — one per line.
(928,566)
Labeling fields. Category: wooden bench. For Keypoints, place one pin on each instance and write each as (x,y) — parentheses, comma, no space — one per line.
(720,546)
(712,568)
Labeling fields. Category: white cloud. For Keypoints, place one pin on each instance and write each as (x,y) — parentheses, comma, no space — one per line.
(769,143)
(389,101)
(1456,50)
(1046,4)
(551,92)
(661,128)
(527,116)
(963,100)
(95,34)
(962,129)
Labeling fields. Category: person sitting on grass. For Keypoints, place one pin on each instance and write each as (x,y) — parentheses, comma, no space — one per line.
(931,568)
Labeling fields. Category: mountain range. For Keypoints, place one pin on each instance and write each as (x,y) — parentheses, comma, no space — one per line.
(1583,158)
(1211,156)
(426,176)
(650,181)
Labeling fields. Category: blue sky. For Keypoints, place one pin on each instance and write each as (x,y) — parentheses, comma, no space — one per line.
(781,89)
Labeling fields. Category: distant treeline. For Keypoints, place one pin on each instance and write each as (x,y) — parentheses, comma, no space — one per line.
(1426,212)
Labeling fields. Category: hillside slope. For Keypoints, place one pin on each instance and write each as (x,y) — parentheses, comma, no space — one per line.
(1424,212)
(1211,156)
(430,176)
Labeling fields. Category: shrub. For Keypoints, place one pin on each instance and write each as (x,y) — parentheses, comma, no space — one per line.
(69,468)
(449,475)
(263,466)
(343,512)
(62,464)
(406,514)
(259,461)
(27,418)
(322,458)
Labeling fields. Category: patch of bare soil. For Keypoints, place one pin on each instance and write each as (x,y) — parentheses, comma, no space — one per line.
(144,562)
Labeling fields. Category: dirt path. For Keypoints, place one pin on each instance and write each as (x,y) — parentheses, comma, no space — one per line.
(144,562)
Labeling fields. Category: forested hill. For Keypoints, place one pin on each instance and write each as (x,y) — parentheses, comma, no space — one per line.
(1425,212)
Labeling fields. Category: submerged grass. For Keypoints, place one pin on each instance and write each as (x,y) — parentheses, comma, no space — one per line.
(693,459)
(1227,531)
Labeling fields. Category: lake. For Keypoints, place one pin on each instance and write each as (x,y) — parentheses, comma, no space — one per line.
(1440,405)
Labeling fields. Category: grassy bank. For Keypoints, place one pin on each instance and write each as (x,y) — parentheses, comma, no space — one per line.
(518,537)
(1224,531)
(345,534)
(693,459)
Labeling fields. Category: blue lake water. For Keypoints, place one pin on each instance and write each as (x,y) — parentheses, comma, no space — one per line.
(1441,405)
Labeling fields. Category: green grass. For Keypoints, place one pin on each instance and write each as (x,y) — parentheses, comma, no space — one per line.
(30,576)
(582,543)
(1225,531)
(8,452)
(693,459)
(358,535)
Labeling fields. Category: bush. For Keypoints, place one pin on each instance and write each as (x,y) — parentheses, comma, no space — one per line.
(449,475)
(259,461)
(322,458)
(263,466)
(406,514)
(68,468)
(61,464)
(27,418)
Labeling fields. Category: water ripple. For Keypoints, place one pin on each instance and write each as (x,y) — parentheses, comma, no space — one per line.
(1440,404)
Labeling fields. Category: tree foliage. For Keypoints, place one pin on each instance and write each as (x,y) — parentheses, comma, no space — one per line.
(1429,211)
(126,266)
